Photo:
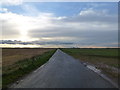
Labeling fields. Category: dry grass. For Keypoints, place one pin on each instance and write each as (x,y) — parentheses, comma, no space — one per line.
(10,56)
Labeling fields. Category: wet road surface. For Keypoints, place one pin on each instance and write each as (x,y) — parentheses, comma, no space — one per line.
(63,71)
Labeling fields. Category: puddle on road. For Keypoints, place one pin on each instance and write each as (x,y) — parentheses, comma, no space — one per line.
(102,75)
(93,68)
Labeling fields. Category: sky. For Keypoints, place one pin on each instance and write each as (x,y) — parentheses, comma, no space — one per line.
(85,23)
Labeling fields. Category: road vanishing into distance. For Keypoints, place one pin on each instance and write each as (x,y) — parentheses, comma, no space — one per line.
(63,71)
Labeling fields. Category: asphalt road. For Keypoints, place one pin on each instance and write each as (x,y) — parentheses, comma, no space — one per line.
(63,71)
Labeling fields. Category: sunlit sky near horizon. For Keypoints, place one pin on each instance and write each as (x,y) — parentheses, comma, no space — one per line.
(85,23)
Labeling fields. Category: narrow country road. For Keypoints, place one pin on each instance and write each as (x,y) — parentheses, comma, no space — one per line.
(63,71)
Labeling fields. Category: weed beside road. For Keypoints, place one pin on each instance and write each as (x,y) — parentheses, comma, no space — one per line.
(23,67)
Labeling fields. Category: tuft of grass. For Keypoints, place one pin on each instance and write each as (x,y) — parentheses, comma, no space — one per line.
(24,67)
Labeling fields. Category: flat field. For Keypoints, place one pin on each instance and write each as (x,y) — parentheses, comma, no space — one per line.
(104,59)
(12,55)
(17,62)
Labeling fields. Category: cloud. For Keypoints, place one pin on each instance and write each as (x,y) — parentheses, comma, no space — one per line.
(3,10)
(11,2)
(19,25)
(9,26)
(89,27)
(91,15)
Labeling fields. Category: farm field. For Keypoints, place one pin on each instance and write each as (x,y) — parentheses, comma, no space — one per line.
(12,55)
(16,62)
(104,59)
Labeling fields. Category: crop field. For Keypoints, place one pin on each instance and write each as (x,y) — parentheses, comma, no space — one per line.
(18,62)
(104,59)
(12,55)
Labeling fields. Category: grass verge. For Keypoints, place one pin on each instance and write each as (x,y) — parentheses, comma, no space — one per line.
(24,67)
(104,59)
